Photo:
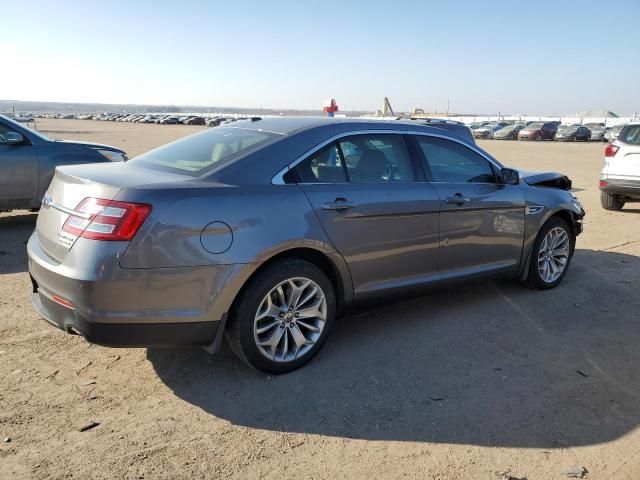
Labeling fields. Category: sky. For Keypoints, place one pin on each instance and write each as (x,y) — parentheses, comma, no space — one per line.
(533,57)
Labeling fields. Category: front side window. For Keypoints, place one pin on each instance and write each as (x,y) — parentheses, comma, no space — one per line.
(452,162)
(377,158)
(3,129)
(357,159)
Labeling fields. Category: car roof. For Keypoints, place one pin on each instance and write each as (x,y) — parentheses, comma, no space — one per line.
(292,125)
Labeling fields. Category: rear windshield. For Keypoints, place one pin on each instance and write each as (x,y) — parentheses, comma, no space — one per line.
(200,153)
(630,134)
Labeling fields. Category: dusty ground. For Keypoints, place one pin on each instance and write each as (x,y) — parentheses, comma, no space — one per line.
(467,383)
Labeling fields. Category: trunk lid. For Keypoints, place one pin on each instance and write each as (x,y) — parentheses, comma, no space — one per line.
(72,184)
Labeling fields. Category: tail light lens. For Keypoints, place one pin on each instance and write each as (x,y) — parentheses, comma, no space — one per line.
(603,183)
(611,150)
(100,219)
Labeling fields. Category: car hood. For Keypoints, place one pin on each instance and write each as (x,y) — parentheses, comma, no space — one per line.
(75,143)
(546,179)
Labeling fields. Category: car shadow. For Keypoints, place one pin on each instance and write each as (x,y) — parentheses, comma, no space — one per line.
(15,230)
(489,363)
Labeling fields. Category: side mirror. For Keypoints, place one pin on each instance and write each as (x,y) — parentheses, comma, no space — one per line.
(11,138)
(509,176)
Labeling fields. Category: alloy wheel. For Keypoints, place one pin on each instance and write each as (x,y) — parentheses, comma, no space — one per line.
(290,319)
(553,254)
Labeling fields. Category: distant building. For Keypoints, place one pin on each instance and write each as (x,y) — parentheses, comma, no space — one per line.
(595,114)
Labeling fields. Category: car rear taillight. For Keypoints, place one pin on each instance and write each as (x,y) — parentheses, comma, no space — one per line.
(611,150)
(603,183)
(100,219)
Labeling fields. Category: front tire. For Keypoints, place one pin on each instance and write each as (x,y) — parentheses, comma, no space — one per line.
(611,202)
(551,254)
(282,317)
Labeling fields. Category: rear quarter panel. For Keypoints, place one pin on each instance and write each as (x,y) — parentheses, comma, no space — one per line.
(263,219)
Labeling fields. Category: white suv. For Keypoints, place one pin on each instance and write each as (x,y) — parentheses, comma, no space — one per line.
(620,176)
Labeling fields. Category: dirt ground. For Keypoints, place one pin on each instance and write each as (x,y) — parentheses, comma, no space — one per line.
(481,381)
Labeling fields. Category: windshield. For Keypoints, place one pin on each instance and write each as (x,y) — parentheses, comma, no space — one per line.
(24,127)
(567,128)
(199,153)
(534,126)
(508,128)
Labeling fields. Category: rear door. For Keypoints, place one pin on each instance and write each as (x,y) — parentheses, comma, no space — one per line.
(375,206)
(18,173)
(481,220)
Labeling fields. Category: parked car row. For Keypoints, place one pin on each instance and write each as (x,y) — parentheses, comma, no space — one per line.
(537,131)
(149,118)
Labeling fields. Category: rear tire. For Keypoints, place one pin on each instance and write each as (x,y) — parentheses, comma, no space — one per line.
(544,277)
(251,326)
(611,202)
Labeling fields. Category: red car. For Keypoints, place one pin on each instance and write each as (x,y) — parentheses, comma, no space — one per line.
(538,131)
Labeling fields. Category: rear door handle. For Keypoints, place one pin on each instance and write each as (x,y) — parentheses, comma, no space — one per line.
(457,199)
(338,204)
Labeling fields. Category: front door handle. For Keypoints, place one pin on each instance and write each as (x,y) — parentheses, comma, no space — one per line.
(457,199)
(338,204)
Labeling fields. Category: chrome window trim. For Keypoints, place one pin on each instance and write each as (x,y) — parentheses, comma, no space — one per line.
(278,178)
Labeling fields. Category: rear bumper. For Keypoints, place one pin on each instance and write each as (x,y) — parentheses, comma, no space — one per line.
(630,188)
(123,334)
(112,306)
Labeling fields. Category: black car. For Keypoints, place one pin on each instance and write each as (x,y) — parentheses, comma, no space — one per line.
(573,133)
(194,121)
(457,128)
(28,160)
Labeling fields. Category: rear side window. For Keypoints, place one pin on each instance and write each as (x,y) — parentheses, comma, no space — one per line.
(377,158)
(197,154)
(324,166)
(452,162)
(357,159)
(630,134)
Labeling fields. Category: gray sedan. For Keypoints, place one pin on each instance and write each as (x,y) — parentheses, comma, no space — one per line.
(265,231)
(28,160)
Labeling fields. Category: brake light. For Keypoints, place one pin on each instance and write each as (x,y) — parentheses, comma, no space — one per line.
(100,219)
(603,183)
(611,150)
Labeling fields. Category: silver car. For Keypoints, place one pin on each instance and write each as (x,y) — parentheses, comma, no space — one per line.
(266,230)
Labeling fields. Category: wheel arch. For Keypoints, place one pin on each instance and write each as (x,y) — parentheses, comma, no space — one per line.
(563,213)
(331,264)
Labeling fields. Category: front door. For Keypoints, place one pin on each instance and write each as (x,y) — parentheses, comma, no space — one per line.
(481,220)
(18,173)
(376,209)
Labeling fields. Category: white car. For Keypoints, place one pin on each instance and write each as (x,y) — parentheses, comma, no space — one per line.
(620,176)
(23,117)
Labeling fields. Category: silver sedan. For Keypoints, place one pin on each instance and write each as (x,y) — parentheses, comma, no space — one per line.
(264,231)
